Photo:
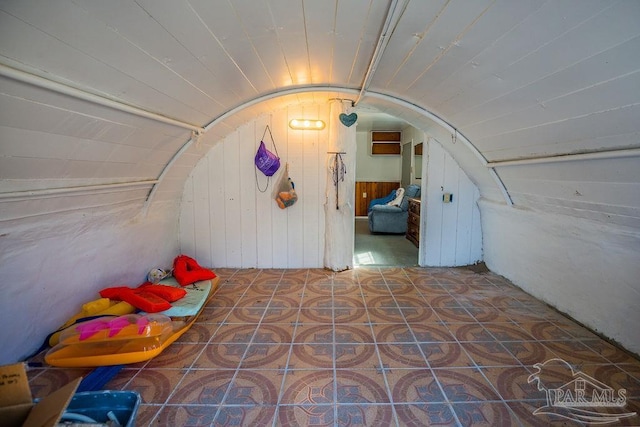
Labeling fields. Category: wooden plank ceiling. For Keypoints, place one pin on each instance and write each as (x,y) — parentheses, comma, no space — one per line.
(520,79)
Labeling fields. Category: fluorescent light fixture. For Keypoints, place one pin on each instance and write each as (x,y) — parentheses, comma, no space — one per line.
(306,124)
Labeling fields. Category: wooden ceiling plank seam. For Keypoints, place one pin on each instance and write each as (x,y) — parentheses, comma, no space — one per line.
(412,26)
(354,44)
(65,89)
(219,42)
(599,97)
(584,75)
(393,16)
(175,18)
(588,144)
(518,42)
(37,98)
(80,64)
(594,155)
(559,121)
(419,37)
(456,18)
(320,28)
(87,35)
(60,121)
(599,125)
(138,28)
(509,16)
(290,36)
(563,52)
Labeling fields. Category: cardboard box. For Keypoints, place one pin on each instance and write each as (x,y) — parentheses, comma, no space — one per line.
(16,402)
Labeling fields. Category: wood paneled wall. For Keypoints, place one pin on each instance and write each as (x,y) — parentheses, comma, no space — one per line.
(451,233)
(373,190)
(226,221)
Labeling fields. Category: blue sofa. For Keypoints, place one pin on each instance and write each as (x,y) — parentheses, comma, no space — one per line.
(384,218)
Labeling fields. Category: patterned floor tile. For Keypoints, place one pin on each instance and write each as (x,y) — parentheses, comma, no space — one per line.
(199,333)
(470,331)
(421,414)
(374,290)
(273,334)
(234,333)
(453,314)
(253,388)
(214,315)
(529,352)
(357,333)
(187,415)
(202,387)
(484,414)
(245,315)
(147,414)
(177,355)
(370,346)
(154,385)
(393,333)
(311,356)
(361,387)
(465,385)
(355,356)
(313,333)
(401,355)
(265,356)
(490,353)
(221,356)
(51,379)
(244,416)
(430,332)
(365,415)
(574,352)
(446,354)
(512,383)
(306,415)
(614,377)
(316,315)
(310,388)
(414,386)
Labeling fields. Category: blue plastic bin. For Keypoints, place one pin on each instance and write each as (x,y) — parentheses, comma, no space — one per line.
(96,405)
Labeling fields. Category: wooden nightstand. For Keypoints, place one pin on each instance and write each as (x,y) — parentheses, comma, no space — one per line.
(413,221)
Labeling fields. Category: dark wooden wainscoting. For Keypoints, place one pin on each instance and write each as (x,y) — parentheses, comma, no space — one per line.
(373,190)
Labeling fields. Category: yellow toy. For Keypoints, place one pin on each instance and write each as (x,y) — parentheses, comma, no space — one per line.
(130,338)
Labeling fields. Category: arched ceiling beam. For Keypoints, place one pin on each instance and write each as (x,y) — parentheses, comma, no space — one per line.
(321,88)
(394,13)
(33,79)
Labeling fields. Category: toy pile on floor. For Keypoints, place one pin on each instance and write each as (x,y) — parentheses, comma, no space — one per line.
(130,325)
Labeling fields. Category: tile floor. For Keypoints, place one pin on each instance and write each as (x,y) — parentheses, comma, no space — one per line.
(367,347)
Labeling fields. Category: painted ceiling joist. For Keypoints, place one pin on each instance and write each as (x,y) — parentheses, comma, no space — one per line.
(595,155)
(65,89)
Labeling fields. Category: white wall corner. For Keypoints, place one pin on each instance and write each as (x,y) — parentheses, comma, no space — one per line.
(586,269)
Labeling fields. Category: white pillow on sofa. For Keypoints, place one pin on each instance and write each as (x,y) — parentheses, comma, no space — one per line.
(398,199)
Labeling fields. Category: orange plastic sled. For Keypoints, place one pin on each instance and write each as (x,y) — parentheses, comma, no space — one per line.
(122,340)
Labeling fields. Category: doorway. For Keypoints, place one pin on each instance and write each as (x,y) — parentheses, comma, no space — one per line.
(382,174)
(381,249)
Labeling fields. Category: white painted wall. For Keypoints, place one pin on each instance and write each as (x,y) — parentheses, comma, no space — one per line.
(226,221)
(450,233)
(52,266)
(587,269)
(375,168)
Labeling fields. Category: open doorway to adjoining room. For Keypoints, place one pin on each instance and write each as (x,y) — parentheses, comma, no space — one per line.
(385,162)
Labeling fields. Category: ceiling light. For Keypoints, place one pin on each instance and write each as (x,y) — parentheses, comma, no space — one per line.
(306,124)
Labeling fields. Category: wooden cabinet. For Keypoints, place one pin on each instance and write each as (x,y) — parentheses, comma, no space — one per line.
(385,142)
(413,221)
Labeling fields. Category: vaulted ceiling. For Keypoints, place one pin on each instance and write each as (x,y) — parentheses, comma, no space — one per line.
(100,93)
